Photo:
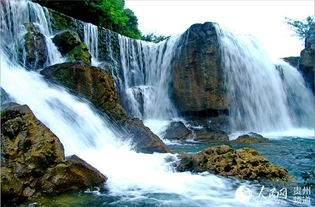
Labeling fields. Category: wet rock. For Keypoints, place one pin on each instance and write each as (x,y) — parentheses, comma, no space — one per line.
(73,174)
(242,163)
(66,41)
(206,135)
(80,53)
(5,98)
(307,62)
(34,52)
(33,162)
(250,138)
(97,86)
(197,74)
(177,130)
(293,61)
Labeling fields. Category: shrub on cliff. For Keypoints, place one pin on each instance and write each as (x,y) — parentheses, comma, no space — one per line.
(110,14)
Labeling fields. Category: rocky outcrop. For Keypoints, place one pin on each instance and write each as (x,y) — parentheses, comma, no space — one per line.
(34,52)
(5,98)
(33,162)
(196,72)
(293,61)
(250,138)
(97,86)
(242,163)
(69,44)
(307,62)
(206,135)
(177,130)
(66,41)
(80,53)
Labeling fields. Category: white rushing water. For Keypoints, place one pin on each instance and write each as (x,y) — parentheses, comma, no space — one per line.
(132,176)
(264,97)
(146,77)
(91,40)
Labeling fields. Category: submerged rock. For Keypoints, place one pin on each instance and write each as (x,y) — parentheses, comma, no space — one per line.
(250,138)
(205,135)
(97,86)
(177,130)
(34,52)
(33,162)
(197,74)
(242,163)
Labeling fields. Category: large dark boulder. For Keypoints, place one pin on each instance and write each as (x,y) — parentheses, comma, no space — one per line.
(66,41)
(33,162)
(97,86)
(34,53)
(177,130)
(197,74)
(71,47)
(307,62)
(242,163)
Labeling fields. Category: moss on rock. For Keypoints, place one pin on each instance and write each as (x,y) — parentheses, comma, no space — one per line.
(80,53)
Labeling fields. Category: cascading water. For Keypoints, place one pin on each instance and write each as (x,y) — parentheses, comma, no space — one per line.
(261,99)
(12,31)
(146,77)
(133,177)
(91,40)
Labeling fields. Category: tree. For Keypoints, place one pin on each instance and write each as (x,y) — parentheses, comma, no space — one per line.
(154,38)
(301,28)
(110,14)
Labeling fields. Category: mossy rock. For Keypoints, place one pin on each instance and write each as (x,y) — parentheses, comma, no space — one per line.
(33,162)
(66,41)
(61,22)
(80,53)
(33,54)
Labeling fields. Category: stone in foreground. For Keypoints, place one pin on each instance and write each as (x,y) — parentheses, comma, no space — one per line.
(242,163)
(33,162)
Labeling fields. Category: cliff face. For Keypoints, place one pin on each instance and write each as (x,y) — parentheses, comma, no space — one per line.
(197,74)
(307,62)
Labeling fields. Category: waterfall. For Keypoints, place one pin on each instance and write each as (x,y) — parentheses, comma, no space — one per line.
(262,99)
(146,69)
(91,40)
(132,176)
(12,31)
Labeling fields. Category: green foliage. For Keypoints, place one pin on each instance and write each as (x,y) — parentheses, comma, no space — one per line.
(110,14)
(301,28)
(154,38)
